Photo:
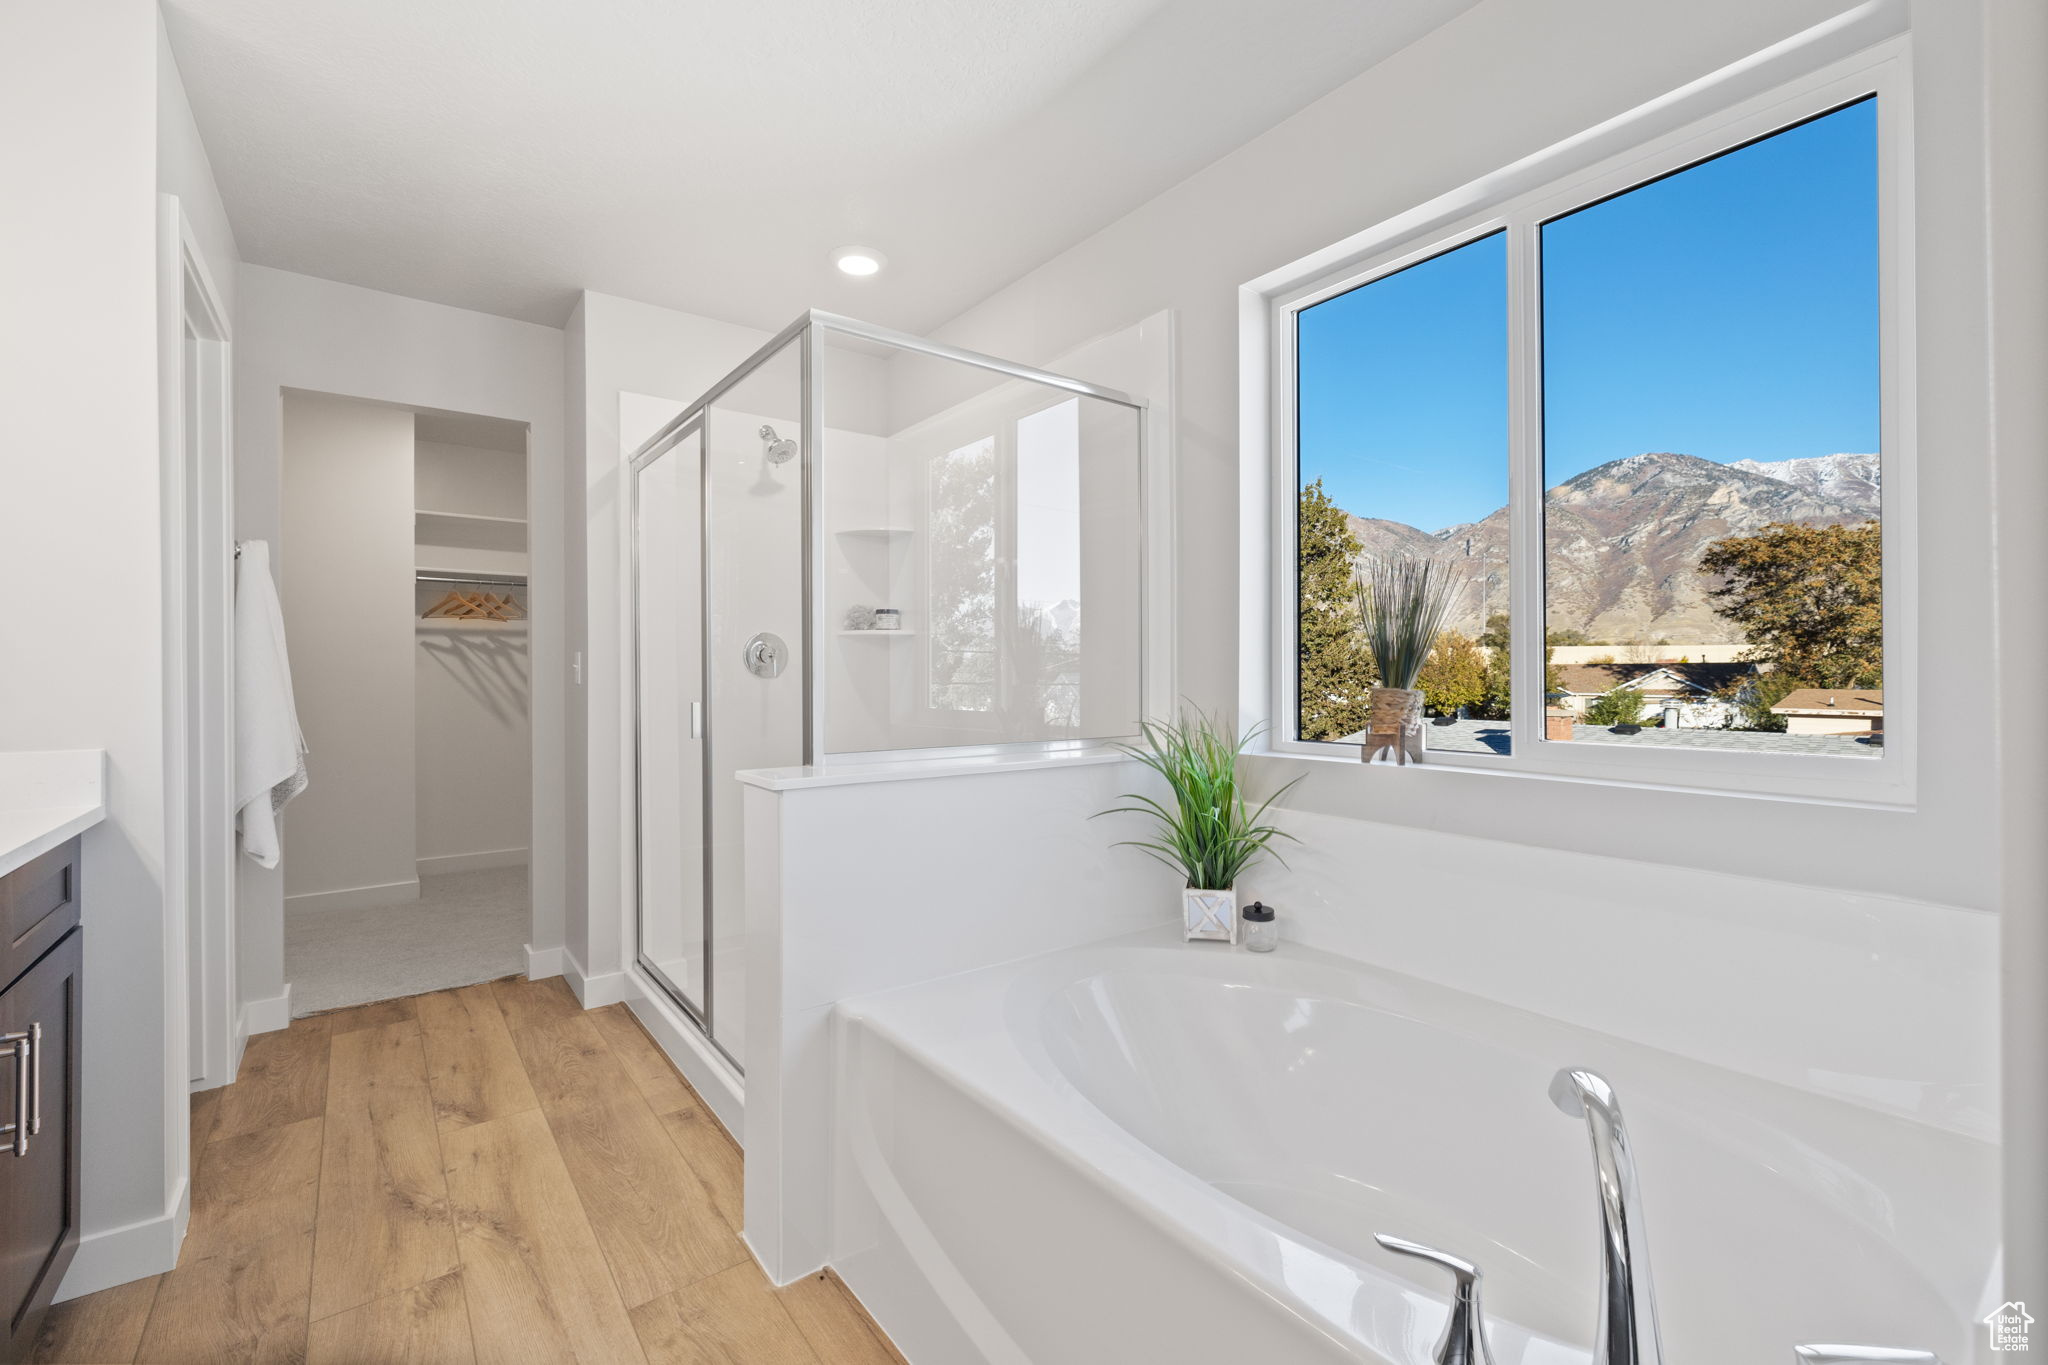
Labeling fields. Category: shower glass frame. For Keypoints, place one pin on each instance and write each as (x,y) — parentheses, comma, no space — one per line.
(810,332)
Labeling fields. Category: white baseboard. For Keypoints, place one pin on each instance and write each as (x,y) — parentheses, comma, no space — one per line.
(237,1045)
(606,988)
(133,1251)
(542,963)
(354,897)
(267,1015)
(442,864)
(707,1071)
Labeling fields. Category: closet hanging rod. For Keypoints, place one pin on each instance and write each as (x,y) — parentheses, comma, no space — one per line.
(506,580)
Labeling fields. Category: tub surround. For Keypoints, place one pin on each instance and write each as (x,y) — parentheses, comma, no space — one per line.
(46,797)
(916,769)
(1878,1000)
(1031,1167)
(857,887)
(1820,1022)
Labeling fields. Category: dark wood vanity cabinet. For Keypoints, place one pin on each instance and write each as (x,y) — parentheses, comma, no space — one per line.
(41,960)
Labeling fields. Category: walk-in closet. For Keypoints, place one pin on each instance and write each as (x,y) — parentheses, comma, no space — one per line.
(403,582)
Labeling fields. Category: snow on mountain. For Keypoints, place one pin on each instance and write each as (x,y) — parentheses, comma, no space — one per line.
(1850,479)
(1624,539)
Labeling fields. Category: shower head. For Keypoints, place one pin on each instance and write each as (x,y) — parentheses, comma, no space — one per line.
(781,450)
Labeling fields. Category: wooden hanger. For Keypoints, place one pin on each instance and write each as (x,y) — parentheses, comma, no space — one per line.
(476,606)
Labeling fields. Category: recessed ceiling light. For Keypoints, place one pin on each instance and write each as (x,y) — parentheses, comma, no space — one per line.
(859,260)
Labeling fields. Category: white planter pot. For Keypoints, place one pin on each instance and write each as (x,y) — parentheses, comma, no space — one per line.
(1210,914)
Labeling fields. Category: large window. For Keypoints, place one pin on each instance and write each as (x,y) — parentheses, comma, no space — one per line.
(1710,450)
(1639,424)
(1403,431)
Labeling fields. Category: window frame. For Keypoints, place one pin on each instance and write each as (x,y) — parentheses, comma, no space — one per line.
(1607,161)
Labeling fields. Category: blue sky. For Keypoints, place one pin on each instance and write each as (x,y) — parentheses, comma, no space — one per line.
(1728,312)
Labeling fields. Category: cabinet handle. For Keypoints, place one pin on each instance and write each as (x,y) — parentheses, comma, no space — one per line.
(22,1045)
(35,1084)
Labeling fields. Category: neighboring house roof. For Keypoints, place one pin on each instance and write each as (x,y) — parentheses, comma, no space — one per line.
(1836,701)
(1592,680)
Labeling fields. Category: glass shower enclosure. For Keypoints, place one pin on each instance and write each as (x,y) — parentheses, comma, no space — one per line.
(863,546)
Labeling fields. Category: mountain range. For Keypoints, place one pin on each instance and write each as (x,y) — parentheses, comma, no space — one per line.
(1625,539)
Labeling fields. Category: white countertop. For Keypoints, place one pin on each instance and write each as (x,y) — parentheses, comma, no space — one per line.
(45,798)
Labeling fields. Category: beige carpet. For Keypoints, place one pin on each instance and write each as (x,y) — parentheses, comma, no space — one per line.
(465,927)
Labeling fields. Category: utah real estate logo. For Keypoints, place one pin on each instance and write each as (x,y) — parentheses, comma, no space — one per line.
(2008,1324)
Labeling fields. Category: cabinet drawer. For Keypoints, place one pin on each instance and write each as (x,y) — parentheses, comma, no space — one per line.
(38,906)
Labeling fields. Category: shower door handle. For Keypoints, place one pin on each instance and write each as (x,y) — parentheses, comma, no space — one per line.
(696,720)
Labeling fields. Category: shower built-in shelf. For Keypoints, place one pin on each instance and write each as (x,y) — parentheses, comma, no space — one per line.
(901,634)
(875,532)
(469,530)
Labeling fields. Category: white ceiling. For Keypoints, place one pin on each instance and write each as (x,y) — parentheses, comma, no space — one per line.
(504,154)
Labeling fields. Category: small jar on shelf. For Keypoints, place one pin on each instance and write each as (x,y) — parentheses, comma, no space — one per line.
(1261,932)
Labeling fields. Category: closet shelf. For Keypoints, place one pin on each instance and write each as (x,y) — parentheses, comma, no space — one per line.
(456,625)
(467,516)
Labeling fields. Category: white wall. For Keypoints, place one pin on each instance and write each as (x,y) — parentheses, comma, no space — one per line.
(473,749)
(345,582)
(81,525)
(2017,104)
(303,333)
(184,170)
(453,478)
(1466,100)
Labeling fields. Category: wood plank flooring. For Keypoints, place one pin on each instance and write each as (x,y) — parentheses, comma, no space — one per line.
(469,1177)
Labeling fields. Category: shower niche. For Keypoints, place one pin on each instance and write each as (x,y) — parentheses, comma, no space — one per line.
(862,547)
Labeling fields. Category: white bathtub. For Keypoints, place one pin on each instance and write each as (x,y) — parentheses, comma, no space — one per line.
(1148,1151)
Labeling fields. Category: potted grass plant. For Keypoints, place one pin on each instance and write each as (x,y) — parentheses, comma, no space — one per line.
(1403,604)
(1209,833)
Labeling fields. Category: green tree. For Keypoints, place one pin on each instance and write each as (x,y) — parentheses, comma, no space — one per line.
(1496,703)
(1620,706)
(962,590)
(1337,672)
(1754,696)
(1809,600)
(1454,676)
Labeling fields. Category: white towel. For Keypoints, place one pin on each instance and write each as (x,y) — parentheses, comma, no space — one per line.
(270,750)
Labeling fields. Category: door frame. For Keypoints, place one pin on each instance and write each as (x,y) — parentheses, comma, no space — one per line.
(196,366)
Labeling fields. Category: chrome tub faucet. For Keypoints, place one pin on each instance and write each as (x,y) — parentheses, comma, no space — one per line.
(1626,1332)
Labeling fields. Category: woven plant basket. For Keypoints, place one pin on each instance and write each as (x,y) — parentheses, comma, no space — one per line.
(1393,725)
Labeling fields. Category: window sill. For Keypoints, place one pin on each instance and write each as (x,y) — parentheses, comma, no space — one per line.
(1798,786)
